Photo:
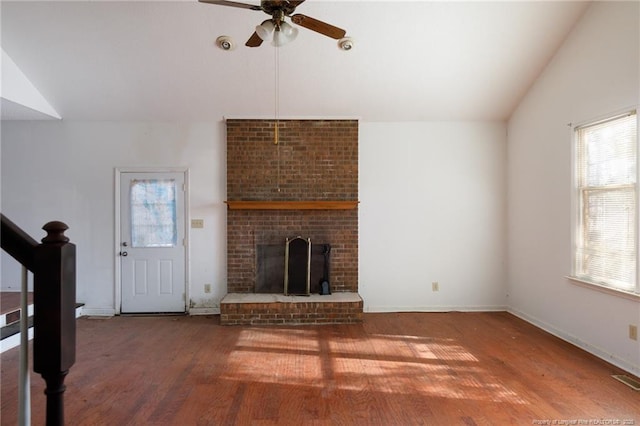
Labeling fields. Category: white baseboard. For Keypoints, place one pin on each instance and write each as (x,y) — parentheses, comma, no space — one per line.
(484,308)
(594,350)
(98,312)
(204,311)
(107,312)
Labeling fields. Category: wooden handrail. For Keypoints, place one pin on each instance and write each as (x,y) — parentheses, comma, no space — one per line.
(18,243)
(53,264)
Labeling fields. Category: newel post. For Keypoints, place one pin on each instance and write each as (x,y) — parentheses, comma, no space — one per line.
(54,299)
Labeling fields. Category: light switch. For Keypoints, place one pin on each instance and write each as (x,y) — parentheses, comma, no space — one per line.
(197,223)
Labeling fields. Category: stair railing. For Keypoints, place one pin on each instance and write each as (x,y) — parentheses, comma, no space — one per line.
(53,264)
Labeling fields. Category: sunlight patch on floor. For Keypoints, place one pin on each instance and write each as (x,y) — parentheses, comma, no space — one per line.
(286,339)
(439,368)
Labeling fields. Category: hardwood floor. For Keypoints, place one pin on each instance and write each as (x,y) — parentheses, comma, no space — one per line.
(394,369)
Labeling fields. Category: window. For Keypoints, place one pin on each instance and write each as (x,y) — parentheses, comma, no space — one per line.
(606,235)
(153,213)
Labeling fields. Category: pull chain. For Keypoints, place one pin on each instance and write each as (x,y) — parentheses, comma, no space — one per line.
(276,97)
(276,136)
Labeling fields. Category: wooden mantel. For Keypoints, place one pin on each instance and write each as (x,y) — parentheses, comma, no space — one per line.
(292,205)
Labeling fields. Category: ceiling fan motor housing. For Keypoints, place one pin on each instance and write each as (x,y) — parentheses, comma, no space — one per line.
(283,7)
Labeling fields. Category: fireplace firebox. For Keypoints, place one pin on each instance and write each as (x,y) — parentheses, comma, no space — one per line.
(271,265)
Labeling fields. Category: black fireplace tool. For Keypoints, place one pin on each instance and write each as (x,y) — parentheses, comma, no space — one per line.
(325,287)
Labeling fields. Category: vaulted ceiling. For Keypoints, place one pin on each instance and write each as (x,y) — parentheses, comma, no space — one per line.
(158,61)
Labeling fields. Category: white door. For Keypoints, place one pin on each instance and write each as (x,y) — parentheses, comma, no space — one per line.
(152,239)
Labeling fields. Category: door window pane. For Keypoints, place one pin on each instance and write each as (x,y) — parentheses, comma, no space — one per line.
(153,213)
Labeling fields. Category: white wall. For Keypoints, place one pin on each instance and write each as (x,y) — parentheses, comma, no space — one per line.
(65,171)
(432,208)
(435,191)
(595,73)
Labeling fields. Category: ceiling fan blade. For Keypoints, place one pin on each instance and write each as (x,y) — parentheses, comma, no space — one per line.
(318,26)
(254,40)
(232,4)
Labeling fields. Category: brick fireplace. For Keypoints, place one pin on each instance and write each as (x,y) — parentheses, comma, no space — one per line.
(304,185)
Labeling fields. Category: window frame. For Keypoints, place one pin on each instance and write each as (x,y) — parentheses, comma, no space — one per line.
(577,207)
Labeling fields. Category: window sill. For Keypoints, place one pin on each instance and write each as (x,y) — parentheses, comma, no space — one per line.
(604,289)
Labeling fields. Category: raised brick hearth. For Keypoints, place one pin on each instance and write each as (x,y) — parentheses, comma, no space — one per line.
(305,185)
(267,309)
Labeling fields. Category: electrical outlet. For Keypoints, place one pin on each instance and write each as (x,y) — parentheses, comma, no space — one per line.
(207,288)
(633,332)
(197,223)
(435,286)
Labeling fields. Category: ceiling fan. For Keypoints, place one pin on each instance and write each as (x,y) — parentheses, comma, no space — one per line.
(282,31)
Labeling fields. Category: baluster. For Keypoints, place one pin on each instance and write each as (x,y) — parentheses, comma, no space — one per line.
(24,383)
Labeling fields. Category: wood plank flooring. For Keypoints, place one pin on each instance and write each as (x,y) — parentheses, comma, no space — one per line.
(394,369)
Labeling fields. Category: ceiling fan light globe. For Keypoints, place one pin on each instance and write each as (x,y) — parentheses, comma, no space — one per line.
(264,30)
(289,31)
(279,39)
(294,34)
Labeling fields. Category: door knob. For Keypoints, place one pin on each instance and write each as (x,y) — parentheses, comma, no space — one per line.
(124,244)
(123,253)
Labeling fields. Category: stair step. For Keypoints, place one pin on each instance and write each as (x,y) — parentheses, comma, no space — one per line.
(13,315)
(13,328)
(10,334)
